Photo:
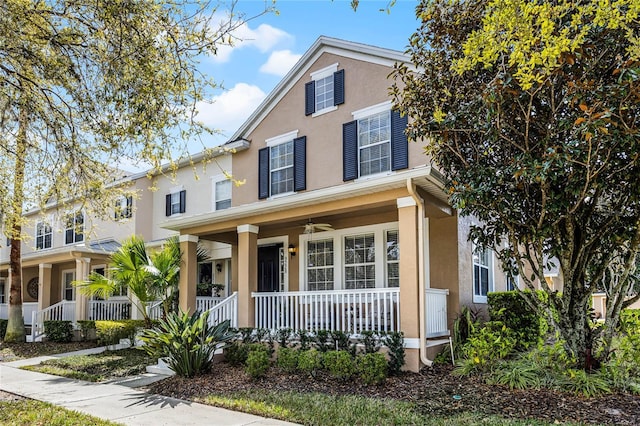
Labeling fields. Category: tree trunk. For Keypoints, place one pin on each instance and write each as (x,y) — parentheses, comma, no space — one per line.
(575,328)
(15,326)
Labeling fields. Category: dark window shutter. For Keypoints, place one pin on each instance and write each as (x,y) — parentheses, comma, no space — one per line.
(263,173)
(300,163)
(338,87)
(350,150)
(310,98)
(168,204)
(129,206)
(183,201)
(399,143)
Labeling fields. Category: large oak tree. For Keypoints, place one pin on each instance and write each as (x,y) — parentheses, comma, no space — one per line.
(531,110)
(86,85)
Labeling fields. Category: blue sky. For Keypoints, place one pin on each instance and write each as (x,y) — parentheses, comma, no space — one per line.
(271,44)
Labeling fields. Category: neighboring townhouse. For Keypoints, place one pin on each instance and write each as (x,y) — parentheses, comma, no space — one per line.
(342,224)
(64,244)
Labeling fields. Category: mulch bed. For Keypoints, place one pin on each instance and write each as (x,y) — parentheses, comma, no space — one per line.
(14,351)
(432,390)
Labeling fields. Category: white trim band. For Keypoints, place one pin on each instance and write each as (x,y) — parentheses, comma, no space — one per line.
(412,343)
(248,228)
(186,238)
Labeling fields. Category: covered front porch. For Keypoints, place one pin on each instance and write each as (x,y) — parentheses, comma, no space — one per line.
(371,256)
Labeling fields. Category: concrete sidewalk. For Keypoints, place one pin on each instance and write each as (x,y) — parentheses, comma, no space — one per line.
(117,403)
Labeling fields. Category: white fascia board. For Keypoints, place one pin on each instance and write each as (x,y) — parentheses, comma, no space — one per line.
(348,190)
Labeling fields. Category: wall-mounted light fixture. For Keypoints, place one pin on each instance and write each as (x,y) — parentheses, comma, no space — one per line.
(218,267)
(292,250)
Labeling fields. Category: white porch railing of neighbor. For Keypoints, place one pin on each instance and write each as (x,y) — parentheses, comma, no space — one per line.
(436,312)
(28,309)
(351,311)
(206,303)
(109,310)
(4,311)
(227,309)
(154,309)
(61,311)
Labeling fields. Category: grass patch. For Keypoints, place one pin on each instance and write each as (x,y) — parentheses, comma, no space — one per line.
(16,351)
(97,367)
(319,408)
(29,412)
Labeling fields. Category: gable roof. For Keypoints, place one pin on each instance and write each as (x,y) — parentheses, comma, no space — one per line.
(353,50)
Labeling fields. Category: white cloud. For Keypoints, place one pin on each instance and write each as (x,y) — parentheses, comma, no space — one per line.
(231,108)
(280,62)
(263,38)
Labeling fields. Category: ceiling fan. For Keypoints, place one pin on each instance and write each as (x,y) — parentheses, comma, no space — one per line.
(310,227)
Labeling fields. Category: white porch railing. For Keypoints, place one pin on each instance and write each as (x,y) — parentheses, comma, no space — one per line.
(351,311)
(109,310)
(206,303)
(4,311)
(227,309)
(61,311)
(436,312)
(28,309)
(154,309)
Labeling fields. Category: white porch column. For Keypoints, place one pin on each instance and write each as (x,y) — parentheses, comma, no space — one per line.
(44,286)
(188,285)
(409,288)
(83,265)
(247,273)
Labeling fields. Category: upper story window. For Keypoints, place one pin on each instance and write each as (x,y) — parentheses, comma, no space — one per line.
(374,142)
(122,208)
(222,194)
(482,274)
(325,91)
(74,228)
(44,236)
(176,202)
(282,165)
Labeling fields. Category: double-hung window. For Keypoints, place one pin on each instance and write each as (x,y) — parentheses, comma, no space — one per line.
(482,274)
(325,91)
(281,168)
(176,202)
(282,165)
(374,142)
(68,290)
(3,297)
(359,261)
(222,194)
(122,209)
(74,228)
(320,265)
(44,236)
(393,259)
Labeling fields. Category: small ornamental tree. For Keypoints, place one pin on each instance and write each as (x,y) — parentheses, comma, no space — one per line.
(531,112)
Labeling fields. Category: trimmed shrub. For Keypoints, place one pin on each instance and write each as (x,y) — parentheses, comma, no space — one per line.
(257,361)
(340,364)
(310,362)
(486,345)
(340,341)
(3,328)
(305,339)
(372,368)
(58,331)
(510,308)
(85,328)
(321,341)
(395,343)
(283,337)
(287,359)
(111,332)
(371,341)
(236,353)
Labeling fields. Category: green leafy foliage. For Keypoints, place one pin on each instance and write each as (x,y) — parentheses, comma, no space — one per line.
(3,327)
(283,337)
(236,353)
(486,345)
(87,329)
(287,359)
(623,366)
(586,384)
(371,341)
(310,362)
(111,332)
(372,368)
(187,341)
(58,331)
(340,364)
(395,344)
(321,341)
(463,326)
(341,341)
(510,308)
(516,375)
(258,361)
(304,339)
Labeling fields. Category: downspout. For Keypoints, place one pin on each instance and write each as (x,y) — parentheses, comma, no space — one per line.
(421,281)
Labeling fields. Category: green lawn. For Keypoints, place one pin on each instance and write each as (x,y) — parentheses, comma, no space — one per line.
(28,412)
(98,367)
(322,409)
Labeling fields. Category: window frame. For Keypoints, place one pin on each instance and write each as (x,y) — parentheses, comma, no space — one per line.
(3,290)
(123,208)
(478,297)
(327,74)
(181,194)
(389,261)
(324,267)
(44,235)
(379,231)
(218,180)
(63,284)
(76,237)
